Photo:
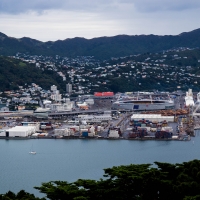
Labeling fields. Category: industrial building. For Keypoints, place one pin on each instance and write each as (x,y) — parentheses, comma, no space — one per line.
(26,130)
(94,118)
(19,131)
(152,117)
(89,101)
(61,107)
(58,107)
(104,94)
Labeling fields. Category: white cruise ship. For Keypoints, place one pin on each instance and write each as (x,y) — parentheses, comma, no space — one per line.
(189,101)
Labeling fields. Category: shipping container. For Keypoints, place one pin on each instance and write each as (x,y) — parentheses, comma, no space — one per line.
(84,134)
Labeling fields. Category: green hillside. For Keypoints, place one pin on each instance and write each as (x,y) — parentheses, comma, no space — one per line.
(14,73)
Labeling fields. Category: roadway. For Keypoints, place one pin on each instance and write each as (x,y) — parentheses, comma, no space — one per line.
(77,112)
(16,113)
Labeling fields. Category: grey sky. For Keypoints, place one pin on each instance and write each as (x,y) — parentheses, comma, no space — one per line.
(60,19)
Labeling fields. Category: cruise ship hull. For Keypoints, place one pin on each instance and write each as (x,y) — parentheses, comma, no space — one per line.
(142,106)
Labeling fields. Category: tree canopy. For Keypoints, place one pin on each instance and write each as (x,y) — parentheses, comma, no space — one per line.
(141,181)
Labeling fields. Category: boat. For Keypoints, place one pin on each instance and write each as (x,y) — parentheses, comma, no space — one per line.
(32,152)
(143,104)
(189,98)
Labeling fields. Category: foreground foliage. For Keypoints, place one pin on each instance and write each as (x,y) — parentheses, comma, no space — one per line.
(167,181)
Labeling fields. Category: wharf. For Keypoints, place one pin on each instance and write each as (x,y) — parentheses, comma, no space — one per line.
(14,138)
(109,138)
(97,137)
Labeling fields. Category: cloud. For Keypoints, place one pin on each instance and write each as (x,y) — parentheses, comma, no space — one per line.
(61,19)
(165,5)
(21,6)
(40,6)
(56,25)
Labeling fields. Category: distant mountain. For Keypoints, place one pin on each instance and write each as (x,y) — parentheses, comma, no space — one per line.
(102,47)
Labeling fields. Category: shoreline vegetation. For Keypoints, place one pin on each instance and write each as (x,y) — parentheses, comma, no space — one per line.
(141,181)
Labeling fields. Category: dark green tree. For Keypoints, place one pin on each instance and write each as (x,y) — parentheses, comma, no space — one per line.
(166,182)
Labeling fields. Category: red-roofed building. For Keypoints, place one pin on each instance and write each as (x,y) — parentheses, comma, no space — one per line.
(103,94)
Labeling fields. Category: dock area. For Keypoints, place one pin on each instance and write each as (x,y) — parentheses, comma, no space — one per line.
(169,124)
(124,126)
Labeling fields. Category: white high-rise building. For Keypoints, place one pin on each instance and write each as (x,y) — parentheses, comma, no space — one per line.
(53,88)
(69,88)
(56,97)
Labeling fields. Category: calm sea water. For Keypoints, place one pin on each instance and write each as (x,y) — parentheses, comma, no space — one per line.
(70,160)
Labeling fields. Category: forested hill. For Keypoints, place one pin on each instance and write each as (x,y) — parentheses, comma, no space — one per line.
(102,47)
(14,73)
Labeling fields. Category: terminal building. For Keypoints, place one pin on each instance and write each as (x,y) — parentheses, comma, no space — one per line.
(94,118)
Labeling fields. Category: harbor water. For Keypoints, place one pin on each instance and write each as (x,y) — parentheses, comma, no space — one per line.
(69,160)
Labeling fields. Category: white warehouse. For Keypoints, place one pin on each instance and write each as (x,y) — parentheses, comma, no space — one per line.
(20,131)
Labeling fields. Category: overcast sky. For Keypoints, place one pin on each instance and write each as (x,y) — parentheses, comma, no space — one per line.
(60,19)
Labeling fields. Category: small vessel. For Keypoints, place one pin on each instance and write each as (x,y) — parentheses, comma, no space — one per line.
(32,151)
(189,98)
